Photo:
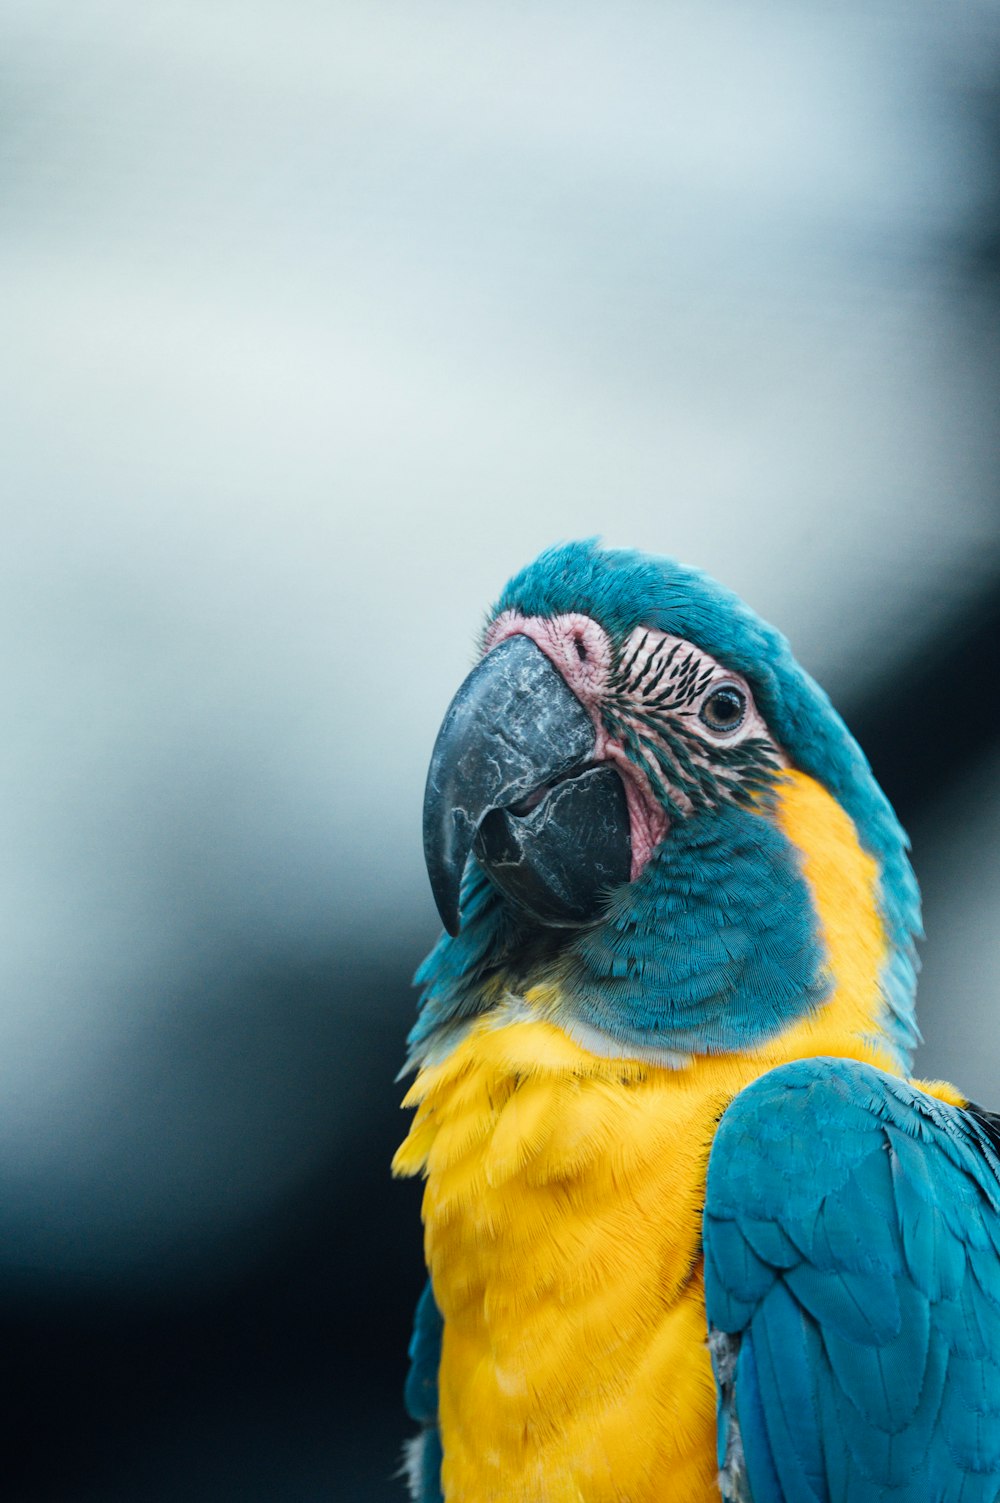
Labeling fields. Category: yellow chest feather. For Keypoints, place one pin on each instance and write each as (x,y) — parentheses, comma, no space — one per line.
(562,1232)
(563,1235)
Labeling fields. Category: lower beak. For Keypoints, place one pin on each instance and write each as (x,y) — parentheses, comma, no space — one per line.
(512,777)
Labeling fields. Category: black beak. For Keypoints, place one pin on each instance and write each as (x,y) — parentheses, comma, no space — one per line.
(512,776)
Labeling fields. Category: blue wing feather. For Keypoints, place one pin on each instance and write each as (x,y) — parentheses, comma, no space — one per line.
(852,1282)
(421,1394)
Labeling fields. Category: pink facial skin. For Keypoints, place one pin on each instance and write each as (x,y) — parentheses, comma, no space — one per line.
(582,653)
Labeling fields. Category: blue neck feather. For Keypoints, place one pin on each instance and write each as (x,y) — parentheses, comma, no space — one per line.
(716,944)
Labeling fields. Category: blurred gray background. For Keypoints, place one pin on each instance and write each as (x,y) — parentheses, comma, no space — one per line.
(317,321)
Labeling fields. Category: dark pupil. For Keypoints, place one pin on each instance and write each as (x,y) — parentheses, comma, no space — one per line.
(724,708)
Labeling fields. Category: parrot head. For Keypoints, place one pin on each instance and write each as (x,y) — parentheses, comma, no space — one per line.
(607,829)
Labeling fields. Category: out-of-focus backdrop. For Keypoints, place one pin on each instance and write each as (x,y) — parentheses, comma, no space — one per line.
(318,319)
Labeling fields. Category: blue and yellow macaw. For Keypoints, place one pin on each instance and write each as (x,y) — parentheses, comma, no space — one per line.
(690,1225)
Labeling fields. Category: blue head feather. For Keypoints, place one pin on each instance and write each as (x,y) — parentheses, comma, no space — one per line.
(625,978)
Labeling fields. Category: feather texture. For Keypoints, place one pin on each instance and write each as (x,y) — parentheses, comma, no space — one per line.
(757,971)
(852,1225)
(563,1213)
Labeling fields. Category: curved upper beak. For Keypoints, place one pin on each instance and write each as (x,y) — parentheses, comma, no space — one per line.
(511,741)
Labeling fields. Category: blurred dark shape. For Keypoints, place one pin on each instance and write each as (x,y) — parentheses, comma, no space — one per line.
(924,727)
(273,1374)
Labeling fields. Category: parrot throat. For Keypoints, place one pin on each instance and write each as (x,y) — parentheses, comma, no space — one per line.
(564,1187)
(743,924)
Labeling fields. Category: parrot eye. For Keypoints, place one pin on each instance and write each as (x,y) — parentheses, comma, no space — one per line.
(724,710)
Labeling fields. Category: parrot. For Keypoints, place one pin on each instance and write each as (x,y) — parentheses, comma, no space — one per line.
(692,1229)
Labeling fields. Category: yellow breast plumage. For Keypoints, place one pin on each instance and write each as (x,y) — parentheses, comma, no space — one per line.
(562,1227)
(666,871)
(563,1222)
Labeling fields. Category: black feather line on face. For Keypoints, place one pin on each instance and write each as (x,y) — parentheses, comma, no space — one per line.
(647,691)
(650,664)
(682,766)
(643,754)
(622,677)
